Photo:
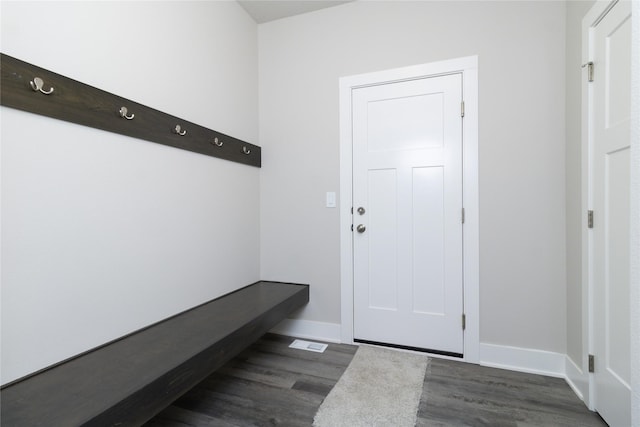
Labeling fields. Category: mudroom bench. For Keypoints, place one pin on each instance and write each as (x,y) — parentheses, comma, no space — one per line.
(128,381)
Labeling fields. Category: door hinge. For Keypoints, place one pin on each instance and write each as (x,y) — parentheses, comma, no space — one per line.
(352,228)
(462,109)
(589,219)
(464,321)
(463,215)
(589,66)
(592,363)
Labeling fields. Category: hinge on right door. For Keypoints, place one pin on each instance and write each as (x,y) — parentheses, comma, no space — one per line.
(589,219)
(463,215)
(589,66)
(592,363)
(462,109)
(464,321)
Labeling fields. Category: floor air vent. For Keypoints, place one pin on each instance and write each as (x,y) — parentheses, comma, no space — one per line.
(309,346)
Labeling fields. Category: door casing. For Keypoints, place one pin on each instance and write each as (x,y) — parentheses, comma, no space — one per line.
(468,66)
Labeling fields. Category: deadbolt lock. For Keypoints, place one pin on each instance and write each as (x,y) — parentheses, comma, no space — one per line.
(361,210)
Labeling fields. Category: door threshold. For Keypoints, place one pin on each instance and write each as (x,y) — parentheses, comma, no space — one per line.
(406,347)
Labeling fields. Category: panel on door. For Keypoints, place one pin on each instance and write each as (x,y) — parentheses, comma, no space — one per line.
(611,196)
(407,166)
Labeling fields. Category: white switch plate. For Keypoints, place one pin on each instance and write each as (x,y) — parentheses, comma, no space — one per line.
(331,199)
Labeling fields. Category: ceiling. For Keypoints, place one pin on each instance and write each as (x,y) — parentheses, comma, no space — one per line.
(269,10)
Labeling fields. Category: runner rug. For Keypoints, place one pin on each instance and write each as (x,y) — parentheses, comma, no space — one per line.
(381,387)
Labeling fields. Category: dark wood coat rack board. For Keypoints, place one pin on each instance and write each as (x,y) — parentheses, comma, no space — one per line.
(30,88)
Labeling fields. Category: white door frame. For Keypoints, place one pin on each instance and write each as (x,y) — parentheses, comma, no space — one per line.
(586,381)
(468,66)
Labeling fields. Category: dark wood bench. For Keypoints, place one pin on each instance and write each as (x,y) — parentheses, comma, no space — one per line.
(128,381)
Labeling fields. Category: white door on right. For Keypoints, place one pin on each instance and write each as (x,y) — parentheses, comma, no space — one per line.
(611,228)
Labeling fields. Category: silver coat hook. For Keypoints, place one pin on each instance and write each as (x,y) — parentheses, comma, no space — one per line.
(217,142)
(123,113)
(37,84)
(179,131)
(245,150)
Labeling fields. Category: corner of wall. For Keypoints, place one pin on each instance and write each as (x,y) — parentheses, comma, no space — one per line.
(576,378)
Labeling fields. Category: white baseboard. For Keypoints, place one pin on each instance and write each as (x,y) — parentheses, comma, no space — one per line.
(523,360)
(308,329)
(519,359)
(576,378)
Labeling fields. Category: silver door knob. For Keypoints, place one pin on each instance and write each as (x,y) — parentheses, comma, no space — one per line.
(361,210)
(361,228)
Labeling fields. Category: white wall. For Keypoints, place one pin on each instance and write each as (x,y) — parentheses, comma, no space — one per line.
(103,234)
(522,192)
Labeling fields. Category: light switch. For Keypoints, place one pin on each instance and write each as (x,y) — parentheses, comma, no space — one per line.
(331,199)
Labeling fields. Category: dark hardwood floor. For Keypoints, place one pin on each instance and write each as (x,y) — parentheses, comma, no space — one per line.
(271,384)
(463,394)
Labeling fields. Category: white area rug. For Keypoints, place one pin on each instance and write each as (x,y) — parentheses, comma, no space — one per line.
(380,388)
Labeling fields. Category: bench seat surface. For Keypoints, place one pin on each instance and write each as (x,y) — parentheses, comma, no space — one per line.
(129,380)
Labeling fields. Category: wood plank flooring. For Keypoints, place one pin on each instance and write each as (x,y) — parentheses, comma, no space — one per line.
(270,384)
(463,394)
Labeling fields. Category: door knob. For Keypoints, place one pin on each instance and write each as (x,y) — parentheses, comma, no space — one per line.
(361,210)
(361,228)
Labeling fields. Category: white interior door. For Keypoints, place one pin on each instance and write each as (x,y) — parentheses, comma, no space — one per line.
(611,228)
(407,198)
